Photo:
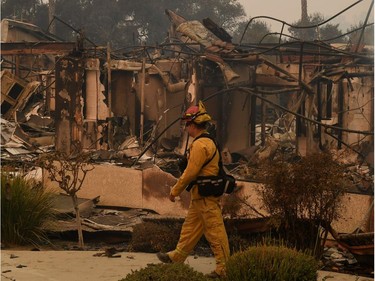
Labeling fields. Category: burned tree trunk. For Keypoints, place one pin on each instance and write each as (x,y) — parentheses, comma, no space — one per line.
(78,219)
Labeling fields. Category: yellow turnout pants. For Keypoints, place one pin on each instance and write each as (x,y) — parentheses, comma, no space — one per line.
(204,217)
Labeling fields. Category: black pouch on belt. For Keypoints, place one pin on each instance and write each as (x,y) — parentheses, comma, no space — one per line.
(215,185)
(210,185)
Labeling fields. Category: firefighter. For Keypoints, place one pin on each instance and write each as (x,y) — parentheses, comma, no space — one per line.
(204,215)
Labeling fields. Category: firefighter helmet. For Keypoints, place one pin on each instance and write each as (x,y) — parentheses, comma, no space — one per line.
(196,114)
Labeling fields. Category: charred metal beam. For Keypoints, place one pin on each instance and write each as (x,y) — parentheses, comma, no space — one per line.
(319,117)
(37,48)
(266,80)
(323,40)
(217,30)
(360,74)
(329,100)
(364,26)
(253,114)
(310,48)
(278,92)
(340,112)
(300,109)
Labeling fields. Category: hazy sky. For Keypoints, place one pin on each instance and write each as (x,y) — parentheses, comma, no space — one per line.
(290,11)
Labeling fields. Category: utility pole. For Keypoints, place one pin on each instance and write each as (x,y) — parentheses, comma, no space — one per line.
(304,20)
(142,82)
(51,13)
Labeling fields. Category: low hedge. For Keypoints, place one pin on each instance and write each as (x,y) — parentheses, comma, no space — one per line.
(166,272)
(272,263)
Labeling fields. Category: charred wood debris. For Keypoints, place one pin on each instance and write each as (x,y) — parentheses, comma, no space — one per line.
(123,105)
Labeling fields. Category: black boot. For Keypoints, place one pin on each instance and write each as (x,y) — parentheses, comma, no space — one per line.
(163,257)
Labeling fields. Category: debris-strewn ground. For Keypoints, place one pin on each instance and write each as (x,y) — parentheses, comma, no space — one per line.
(87,266)
(116,243)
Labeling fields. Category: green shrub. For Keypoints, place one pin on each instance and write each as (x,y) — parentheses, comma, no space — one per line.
(271,263)
(25,207)
(166,272)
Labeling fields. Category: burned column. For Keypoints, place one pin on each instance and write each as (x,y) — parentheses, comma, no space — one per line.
(68,117)
(93,87)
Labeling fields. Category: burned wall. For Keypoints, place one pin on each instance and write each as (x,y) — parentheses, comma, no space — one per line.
(358,108)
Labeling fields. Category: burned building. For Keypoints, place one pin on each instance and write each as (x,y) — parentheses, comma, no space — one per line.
(316,95)
(125,105)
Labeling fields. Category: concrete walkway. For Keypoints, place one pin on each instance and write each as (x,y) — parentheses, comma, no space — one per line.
(19,265)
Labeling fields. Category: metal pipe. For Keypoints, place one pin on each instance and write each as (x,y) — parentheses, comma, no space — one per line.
(142,82)
(340,114)
(364,25)
(109,91)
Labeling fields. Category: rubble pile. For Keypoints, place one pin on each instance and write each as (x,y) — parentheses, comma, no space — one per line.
(338,259)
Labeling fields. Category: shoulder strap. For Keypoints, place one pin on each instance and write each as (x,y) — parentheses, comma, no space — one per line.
(206,135)
(221,167)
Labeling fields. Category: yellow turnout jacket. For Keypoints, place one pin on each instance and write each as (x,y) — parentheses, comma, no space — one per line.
(201,150)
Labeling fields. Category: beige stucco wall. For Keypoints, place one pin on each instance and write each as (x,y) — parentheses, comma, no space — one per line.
(116,186)
(357,213)
(149,189)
